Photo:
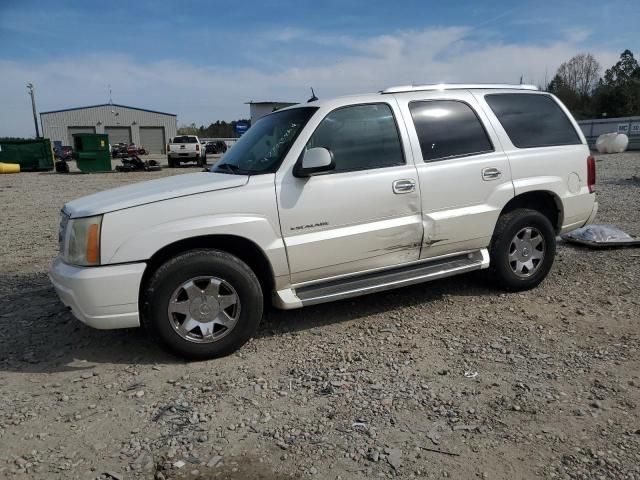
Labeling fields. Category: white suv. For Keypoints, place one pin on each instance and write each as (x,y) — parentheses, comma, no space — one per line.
(329,200)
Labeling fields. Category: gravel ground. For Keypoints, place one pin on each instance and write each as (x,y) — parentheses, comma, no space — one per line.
(448,379)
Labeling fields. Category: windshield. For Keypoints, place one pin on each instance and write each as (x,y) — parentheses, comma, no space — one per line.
(185,139)
(264,146)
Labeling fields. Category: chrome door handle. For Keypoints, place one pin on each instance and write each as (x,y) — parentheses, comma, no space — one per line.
(404,186)
(491,173)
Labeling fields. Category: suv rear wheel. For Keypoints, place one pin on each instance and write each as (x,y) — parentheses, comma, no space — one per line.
(522,249)
(203,304)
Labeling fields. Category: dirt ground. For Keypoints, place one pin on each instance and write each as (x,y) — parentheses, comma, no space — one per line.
(447,379)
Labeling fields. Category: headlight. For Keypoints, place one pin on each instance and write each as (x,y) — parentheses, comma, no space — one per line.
(82,241)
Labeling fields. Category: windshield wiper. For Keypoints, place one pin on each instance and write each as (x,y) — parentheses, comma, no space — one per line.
(231,168)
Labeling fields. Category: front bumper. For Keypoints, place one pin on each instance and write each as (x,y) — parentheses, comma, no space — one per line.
(102,297)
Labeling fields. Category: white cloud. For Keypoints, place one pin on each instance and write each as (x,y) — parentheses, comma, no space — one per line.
(202,94)
(577,35)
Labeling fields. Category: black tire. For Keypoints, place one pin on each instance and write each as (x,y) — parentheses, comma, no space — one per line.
(201,161)
(503,269)
(170,162)
(198,263)
(62,166)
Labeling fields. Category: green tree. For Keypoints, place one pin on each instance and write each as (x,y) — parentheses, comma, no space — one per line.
(574,83)
(219,129)
(188,129)
(564,92)
(618,93)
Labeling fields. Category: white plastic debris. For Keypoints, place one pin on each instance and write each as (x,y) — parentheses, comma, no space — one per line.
(601,236)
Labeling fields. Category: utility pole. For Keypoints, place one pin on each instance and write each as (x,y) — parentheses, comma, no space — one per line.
(33,106)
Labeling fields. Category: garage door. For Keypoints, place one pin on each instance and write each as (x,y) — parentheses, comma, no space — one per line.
(152,139)
(73,130)
(118,134)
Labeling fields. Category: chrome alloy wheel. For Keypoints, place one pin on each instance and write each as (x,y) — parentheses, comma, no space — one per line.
(526,252)
(204,309)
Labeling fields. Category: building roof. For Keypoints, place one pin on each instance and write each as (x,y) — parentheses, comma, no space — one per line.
(108,105)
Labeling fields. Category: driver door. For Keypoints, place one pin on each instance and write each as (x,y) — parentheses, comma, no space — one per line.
(364,214)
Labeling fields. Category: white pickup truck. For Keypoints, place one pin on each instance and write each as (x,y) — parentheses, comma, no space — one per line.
(186,148)
(330,200)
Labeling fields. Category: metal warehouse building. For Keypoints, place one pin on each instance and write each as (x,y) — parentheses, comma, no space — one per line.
(122,123)
(257,110)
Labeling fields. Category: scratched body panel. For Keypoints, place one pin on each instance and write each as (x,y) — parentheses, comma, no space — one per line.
(459,207)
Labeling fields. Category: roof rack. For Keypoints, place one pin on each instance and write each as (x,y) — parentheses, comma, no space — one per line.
(456,86)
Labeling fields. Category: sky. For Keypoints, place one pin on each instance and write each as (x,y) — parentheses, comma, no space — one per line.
(202,60)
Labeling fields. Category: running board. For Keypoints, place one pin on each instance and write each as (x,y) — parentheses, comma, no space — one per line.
(394,278)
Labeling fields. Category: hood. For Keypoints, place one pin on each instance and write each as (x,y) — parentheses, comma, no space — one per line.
(152,191)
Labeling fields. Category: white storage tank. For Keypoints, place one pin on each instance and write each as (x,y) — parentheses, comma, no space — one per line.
(612,143)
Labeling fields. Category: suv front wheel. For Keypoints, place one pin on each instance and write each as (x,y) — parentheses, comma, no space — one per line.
(203,304)
(522,249)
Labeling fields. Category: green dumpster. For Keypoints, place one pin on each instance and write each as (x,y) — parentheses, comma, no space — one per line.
(32,155)
(91,152)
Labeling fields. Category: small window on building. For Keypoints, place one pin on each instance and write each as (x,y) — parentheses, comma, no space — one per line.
(447,129)
(360,137)
(532,120)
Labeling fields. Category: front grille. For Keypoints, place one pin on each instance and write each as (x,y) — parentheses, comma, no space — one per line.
(62,231)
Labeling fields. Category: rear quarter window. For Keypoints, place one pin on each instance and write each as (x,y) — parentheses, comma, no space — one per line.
(532,120)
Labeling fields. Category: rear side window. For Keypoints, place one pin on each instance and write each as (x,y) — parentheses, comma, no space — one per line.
(360,137)
(448,128)
(185,139)
(532,120)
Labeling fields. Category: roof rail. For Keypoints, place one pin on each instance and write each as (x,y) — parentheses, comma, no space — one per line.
(456,86)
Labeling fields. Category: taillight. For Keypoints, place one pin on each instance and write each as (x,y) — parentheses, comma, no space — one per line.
(197,147)
(591,173)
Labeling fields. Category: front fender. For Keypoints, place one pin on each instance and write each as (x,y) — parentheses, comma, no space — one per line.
(143,243)
(135,234)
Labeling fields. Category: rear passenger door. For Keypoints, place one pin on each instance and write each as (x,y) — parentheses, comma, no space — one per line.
(464,175)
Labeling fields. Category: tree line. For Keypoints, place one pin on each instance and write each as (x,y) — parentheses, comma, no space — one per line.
(219,129)
(587,94)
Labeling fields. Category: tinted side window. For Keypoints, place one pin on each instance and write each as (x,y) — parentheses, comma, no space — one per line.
(448,128)
(532,120)
(360,137)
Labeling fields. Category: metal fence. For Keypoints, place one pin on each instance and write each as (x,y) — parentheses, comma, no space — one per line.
(630,126)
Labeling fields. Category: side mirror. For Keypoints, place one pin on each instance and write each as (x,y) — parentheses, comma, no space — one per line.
(314,161)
